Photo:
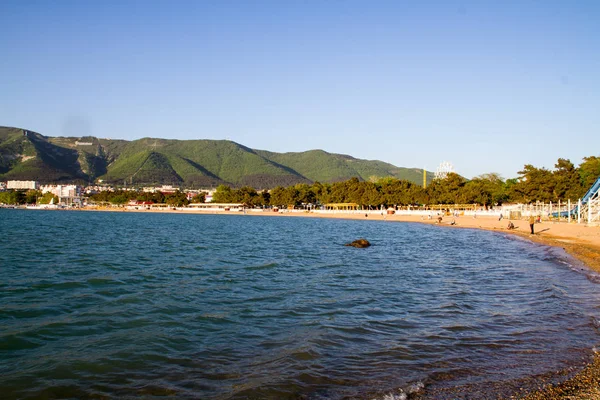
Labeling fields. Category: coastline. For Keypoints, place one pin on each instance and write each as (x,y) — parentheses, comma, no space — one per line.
(578,240)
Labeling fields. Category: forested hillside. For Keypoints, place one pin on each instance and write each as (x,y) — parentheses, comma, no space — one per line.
(188,163)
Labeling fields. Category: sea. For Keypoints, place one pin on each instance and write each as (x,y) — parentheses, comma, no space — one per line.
(155,305)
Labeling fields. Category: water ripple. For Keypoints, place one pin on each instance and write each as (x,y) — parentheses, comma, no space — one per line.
(142,305)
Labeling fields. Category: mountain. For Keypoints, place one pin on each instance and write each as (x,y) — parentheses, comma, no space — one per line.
(27,155)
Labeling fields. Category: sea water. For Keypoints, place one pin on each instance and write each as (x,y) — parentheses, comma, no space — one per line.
(120,305)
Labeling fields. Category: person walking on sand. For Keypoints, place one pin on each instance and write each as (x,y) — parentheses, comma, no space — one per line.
(531,222)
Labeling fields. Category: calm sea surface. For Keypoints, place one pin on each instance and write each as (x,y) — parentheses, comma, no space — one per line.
(217,307)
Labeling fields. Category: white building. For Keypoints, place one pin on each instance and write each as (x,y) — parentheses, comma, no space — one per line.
(21,185)
(67,194)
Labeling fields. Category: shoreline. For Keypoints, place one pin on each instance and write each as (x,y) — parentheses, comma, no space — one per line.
(580,241)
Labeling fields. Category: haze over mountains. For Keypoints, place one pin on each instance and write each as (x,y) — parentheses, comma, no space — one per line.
(27,155)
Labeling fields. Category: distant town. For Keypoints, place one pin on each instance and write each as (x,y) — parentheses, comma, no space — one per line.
(77,196)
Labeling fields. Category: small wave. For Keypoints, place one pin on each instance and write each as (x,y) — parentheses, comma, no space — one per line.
(14,342)
(217,316)
(402,393)
(59,285)
(261,267)
(103,281)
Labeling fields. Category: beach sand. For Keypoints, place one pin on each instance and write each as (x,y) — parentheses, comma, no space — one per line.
(579,240)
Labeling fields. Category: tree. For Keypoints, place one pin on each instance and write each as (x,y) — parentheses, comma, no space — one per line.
(589,171)
(370,195)
(567,184)
(277,196)
(321,192)
(199,198)
(48,198)
(304,193)
(177,199)
(223,194)
(31,196)
(400,192)
(534,184)
(246,195)
(119,198)
(264,198)
(12,197)
(447,190)
(486,190)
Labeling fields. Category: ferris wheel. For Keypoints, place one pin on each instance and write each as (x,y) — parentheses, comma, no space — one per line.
(443,170)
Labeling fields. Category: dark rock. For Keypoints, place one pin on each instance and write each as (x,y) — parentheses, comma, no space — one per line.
(360,243)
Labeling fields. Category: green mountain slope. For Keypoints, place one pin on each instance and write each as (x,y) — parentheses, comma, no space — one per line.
(190,163)
(27,155)
(318,165)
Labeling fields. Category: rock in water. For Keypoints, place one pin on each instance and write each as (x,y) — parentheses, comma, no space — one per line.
(360,243)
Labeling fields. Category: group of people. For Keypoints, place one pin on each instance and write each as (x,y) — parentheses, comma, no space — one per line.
(532,221)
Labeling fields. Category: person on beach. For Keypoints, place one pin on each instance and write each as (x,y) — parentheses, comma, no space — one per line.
(531,222)
(510,225)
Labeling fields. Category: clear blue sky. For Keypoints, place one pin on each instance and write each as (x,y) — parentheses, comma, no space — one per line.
(488,86)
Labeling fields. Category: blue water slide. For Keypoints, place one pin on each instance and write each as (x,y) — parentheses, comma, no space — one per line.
(591,192)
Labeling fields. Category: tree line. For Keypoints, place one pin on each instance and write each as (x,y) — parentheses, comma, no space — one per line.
(27,197)
(565,181)
(533,184)
(175,199)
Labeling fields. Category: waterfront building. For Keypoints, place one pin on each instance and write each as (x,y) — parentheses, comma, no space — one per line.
(21,185)
(67,194)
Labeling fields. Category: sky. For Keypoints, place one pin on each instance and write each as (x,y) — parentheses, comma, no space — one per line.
(488,86)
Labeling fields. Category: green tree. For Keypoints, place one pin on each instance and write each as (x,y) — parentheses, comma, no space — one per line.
(447,191)
(177,199)
(339,192)
(223,194)
(321,192)
(370,195)
(246,195)
(48,198)
(567,182)
(12,197)
(118,198)
(199,198)
(31,196)
(264,198)
(589,172)
(533,184)
(486,190)
(306,195)
(291,196)
(278,197)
